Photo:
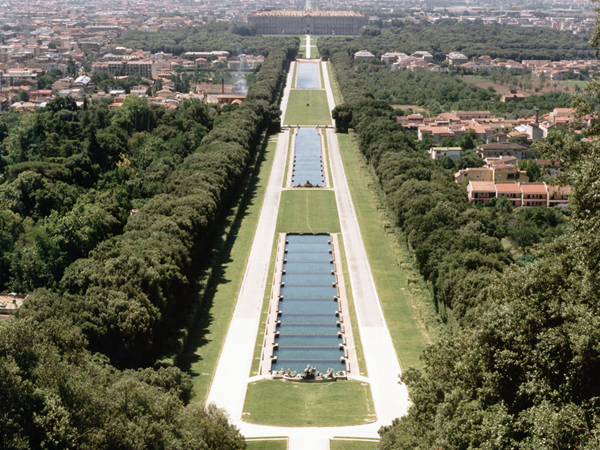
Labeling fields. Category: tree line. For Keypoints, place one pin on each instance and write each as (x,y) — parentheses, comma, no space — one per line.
(236,38)
(442,92)
(518,368)
(471,39)
(107,218)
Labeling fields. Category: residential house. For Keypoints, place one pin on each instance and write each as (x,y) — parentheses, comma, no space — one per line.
(364,55)
(528,195)
(9,304)
(456,59)
(510,190)
(497,172)
(481,191)
(440,153)
(534,194)
(558,195)
(503,149)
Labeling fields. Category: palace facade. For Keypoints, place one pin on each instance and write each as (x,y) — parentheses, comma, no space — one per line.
(308,22)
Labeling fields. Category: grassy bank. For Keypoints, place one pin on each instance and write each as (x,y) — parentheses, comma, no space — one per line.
(285,403)
(307,107)
(308,211)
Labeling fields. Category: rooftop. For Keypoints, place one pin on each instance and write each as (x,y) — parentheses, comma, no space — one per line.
(303,13)
(486,186)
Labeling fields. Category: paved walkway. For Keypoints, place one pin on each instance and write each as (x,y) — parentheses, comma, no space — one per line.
(308,46)
(228,388)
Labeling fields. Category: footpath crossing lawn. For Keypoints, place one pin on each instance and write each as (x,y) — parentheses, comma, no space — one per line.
(308,211)
(292,404)
(307,107)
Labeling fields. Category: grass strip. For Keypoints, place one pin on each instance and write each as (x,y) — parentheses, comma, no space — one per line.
(290,404)
(267,444)
(307,107)
(352,444)
(326,151)
(208,335)
(288,159)
(335,88)
(294,76)
(308,211)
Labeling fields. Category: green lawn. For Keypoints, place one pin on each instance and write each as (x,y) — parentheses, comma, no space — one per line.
(400,310)
(308,211)
(290,404)
(206,340)
(337,96)
(352,444)
(266,444)
(316,113)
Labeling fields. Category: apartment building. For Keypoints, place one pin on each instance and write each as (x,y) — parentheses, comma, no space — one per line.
(528,195)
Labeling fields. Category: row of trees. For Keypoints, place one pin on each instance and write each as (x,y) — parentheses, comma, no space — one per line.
(236,38)
(456,247)
(520,370)
(471,39)
(441,92)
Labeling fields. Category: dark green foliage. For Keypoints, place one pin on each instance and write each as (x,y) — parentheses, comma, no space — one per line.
(471,39)
(456,247)
(56,394)
(236,38)
(72,177)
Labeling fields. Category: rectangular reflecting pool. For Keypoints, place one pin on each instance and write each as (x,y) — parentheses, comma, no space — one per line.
(309,332)
(308,76)
(307,170)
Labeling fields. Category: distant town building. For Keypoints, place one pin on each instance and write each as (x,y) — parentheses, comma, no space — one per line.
(503,149)
(440,153)
(456,59)
(423,55)
(364,55)
(308,22)
(519,194)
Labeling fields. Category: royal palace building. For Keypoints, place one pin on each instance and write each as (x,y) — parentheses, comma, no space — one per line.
(308,22)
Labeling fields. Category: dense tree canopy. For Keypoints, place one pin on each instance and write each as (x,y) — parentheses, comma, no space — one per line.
(55,394)
(471,39)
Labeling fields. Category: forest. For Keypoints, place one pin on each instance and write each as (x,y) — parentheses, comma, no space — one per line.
(518,366)
(442,92)
(236,38)
(471,39)
(107,220)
